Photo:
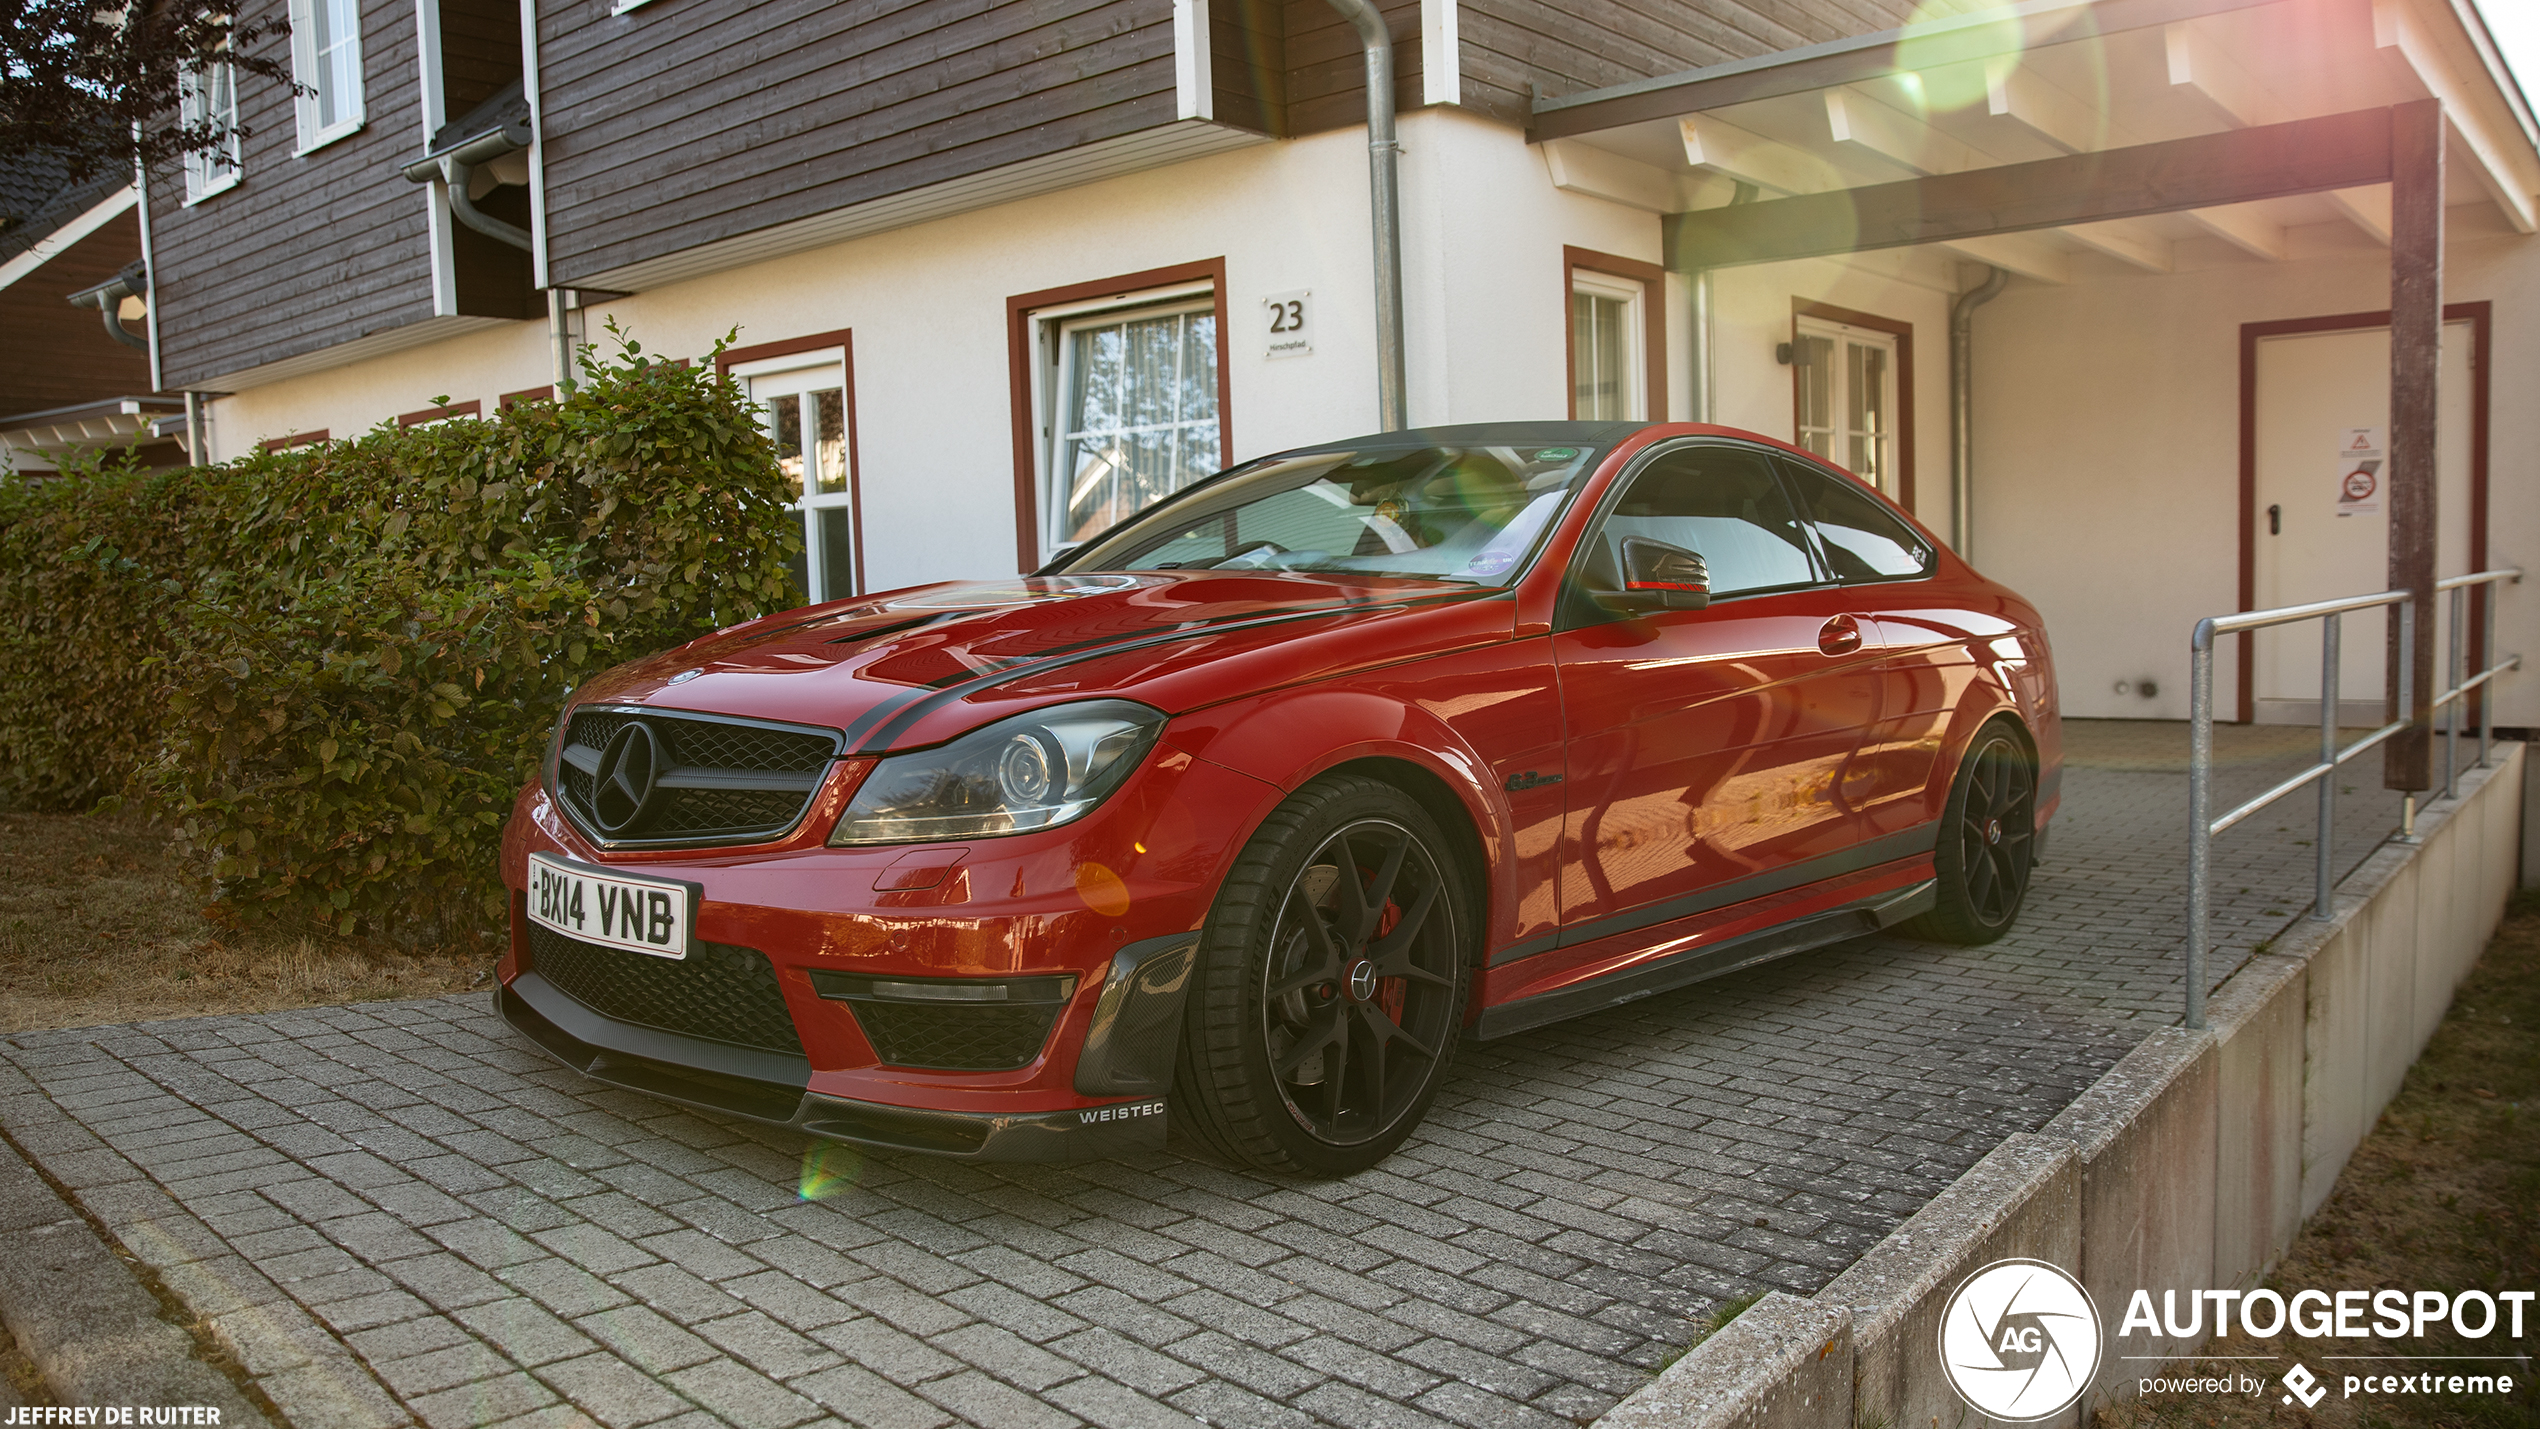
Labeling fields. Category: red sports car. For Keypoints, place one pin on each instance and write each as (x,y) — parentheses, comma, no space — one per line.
(1252,806)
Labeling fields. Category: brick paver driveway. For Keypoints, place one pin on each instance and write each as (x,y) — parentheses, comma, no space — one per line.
(402,1211)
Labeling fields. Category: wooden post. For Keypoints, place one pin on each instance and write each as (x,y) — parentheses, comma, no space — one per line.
(2416,336)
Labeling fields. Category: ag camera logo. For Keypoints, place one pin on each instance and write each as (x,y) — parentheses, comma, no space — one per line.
(2020,1340)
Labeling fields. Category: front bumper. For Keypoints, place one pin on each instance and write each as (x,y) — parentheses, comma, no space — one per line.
(775,1089)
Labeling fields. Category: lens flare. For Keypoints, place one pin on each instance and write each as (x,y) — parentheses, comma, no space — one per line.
(828,1168)
(1102,890)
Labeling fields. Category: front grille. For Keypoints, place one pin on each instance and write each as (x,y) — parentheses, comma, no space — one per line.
(717,780)
(719,992)
(955,1038)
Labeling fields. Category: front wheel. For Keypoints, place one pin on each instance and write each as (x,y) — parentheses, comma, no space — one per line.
(1331,984)
(1988,841)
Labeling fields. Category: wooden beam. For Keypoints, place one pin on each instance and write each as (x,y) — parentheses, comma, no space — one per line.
(2203,70)
(2021,99)
(2304,156)
(2416,336)
(2246,229)
(2126,241)
(1749,158)
(2501,148)
(2017,252)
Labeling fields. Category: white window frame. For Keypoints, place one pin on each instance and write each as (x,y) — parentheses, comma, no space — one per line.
(802,374)
(199,96)
(1052,372)
(1633,295)
(309,72)
(1838,398)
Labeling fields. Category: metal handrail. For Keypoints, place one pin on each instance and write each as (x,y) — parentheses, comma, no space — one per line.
(2202,823)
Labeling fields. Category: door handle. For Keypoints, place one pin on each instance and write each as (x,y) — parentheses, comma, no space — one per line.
(1839,636)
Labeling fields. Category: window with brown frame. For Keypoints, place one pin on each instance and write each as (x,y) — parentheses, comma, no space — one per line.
(1617,341)
(442,413)
(1120,399)
(1852,393)
(804,389)
(296,439)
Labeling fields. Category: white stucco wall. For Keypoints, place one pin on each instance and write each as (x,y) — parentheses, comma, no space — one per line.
(2107,447)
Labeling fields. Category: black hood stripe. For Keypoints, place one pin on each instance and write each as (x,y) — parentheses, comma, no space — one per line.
(905,710)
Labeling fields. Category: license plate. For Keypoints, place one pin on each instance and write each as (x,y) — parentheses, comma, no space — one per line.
(641,915)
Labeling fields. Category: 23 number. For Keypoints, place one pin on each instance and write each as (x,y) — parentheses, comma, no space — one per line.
(1288,316)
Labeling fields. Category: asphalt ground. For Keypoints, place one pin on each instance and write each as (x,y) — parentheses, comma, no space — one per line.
(401,1212)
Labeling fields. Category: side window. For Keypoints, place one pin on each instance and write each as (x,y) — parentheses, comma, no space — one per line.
(1722,503)
(1863,540)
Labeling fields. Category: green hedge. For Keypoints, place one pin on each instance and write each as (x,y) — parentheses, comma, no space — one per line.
(332,667)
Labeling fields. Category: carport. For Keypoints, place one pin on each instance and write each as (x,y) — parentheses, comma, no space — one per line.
(2093,201)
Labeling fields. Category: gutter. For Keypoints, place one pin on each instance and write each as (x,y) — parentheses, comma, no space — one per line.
(494,129)
(1962,431)
(1384,162)
(107,298)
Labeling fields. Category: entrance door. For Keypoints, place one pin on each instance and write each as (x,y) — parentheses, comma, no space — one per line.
(2313,390)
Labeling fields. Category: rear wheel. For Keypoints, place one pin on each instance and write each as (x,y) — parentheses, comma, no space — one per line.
(1331,984)
(1988,841)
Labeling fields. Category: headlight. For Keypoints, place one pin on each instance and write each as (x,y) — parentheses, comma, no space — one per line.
(1034,771)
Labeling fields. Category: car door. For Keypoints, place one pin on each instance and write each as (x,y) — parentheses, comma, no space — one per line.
(1708,749)
(1923,667)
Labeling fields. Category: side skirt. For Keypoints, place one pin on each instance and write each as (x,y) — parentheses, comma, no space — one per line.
(1714,960)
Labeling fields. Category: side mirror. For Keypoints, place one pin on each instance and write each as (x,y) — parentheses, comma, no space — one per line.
(1657,576)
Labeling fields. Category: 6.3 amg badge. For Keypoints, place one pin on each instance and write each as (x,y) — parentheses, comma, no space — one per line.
(2020,1340)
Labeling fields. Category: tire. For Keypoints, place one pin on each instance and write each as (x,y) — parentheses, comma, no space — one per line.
(1331,984)
(1988,841)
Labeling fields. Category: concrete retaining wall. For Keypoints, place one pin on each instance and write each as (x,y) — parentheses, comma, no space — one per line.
(2191,1164)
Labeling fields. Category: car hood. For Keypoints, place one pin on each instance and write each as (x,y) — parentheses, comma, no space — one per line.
(913,667)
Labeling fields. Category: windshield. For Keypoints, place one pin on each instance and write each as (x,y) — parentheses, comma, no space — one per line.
(1468,514)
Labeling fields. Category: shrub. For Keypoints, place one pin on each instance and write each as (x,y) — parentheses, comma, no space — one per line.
(333,666)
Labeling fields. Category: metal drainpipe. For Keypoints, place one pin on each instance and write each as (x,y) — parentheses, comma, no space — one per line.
(1962,432)
(1385,186)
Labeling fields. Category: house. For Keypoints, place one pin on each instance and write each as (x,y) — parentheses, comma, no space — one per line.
(2101,289)
(70,252)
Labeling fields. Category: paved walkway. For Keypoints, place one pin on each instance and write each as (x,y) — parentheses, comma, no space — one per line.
(399,1211)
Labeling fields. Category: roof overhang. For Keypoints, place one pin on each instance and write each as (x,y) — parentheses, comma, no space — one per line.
(2084,81)
(115,422)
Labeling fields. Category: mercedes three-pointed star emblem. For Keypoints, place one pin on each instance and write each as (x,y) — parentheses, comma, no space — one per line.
(622,788)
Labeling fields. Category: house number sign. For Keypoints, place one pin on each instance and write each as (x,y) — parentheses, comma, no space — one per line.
(1288,321)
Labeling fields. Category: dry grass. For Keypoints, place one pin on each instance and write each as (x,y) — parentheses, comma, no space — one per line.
(101,920)
(2443,1195)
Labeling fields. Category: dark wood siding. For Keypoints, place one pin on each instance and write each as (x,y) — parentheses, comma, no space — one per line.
(480,51)
(1565,46)
(58,355)
(688,121)
(304,253)
(1248,63)
(1327,71)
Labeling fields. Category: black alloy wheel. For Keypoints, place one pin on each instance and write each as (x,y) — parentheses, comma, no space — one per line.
(1332,984)
(1988,841)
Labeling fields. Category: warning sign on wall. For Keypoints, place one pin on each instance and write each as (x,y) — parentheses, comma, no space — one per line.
(2359,466)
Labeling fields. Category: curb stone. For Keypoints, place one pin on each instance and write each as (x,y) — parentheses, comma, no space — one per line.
(1782,1364)
(84,1321)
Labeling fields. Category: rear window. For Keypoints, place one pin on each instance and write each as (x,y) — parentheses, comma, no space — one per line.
(1863,540)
